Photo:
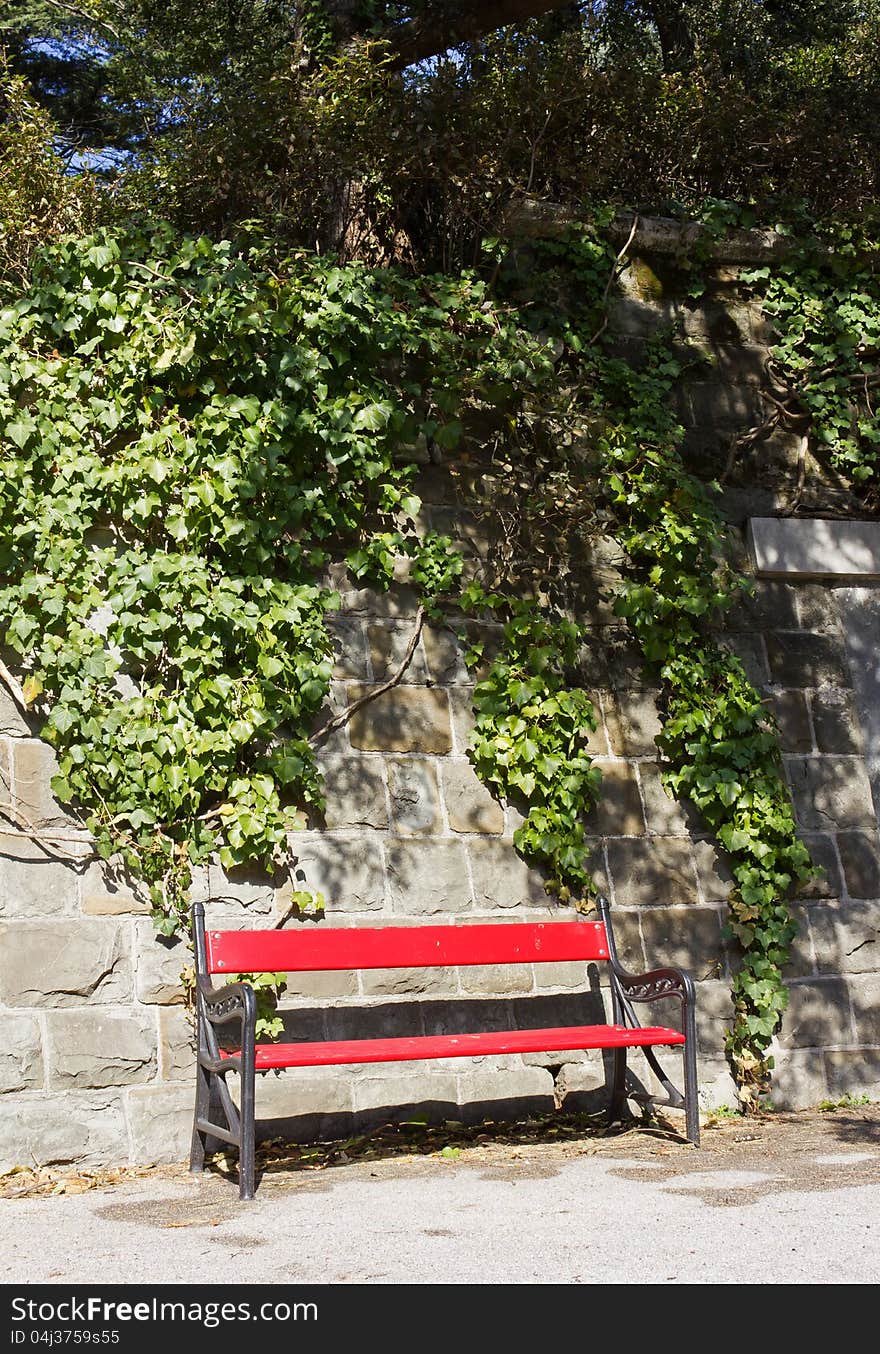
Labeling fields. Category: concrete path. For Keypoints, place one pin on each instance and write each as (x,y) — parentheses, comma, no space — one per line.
(794,1200)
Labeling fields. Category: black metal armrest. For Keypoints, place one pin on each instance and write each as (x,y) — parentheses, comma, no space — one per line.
(659,982)
(235,1001)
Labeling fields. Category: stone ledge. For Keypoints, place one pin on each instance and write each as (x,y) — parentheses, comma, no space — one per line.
(798,547)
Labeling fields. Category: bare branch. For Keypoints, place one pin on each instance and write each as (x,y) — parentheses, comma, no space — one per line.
(339,721)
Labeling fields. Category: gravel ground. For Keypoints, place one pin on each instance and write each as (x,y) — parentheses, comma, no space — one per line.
(792,1198)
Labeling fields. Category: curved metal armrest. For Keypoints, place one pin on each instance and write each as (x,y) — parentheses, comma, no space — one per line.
(660,982)
(235,1001)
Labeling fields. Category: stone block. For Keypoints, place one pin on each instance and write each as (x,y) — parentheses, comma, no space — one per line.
(160,1122)
(33,885)
(33,765)
(801,960)
(356,599)
(654,872)
(515,1082)
(348,871)
(818,1013)
(241,894)
(64,963)
(749,649)
(500,979)
(160,963)
(713,871)
(583,1084)
(798,659)
(445,657)
(321,986)
(502,878)
(685,937)
(739,363)
(865,993)
(461,705)
(177,1045)
(566,974)
(847,937)
(789,709)
(21,1053)
(95,1049)
(12,722)
(398,1089)
(633,318)
(723,324)
(827,883)
(349,648)
(836,722)
(717,1086)
(799,1079)
(355,790)
(428,878)
(831,793)
(817,608)
(630,949)
(860,857)
(665,816)
(714,1016)
(404,982)
(768,605)
(86,1127)
(469,805)
(388,644)
(105,893)
(854,1072)
(636,726)
(803,548)
(715,404)
(405,719)
(618,812)
(415,798)
(623,659)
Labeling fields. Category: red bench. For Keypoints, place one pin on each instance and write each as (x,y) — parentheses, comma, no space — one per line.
(309,950)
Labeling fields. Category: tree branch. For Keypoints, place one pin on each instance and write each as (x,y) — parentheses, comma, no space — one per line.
(339,721)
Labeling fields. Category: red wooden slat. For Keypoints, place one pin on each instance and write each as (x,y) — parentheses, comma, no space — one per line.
(333,1053)
(310,950)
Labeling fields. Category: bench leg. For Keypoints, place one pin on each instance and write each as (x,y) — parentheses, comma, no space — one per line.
(691,1096)
(203,1098)
(618,1087)
(246,1144)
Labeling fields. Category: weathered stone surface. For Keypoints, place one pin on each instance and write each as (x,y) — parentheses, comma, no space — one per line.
(789,709)
(33,765)
(637,724)
(177,1044)
(665,816)
(713,871)
(64,963)
(302,986)
(405,719)
(655,872)
(818,1013)
(32,885)
(502,878)
(817,608)
(160,963)
(160,1121)
(400,982)
(632,317)
(717,1087)
(415,798)
(242,894)
(347,871)
(622,659)
(469,805)
(847,937)
(799,1078)
(712,319)
(826,884)
(397,1088)
(619,810)
(853,1072)
(428,878)
(768,605)
(518,1083)
(715,404)
(750,650)
(860,857)
(831,792)
(399,600)
(12,721)
(687,937)
(104,895)
(445,657)
(93,1049)
(461,705)
(349,648)
(566,974)
(799,547)
(84,1126)
(500,979)
(865,993)
(714,1015)
(799,659)
(355,789)
(836,722)
(21,1053)
(388,644)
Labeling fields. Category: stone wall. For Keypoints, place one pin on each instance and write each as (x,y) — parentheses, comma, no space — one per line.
(95,1042)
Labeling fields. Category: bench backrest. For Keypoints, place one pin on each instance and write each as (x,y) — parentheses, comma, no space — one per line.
(309,950)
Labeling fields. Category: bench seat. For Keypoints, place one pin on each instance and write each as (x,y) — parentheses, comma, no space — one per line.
(332,1053)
